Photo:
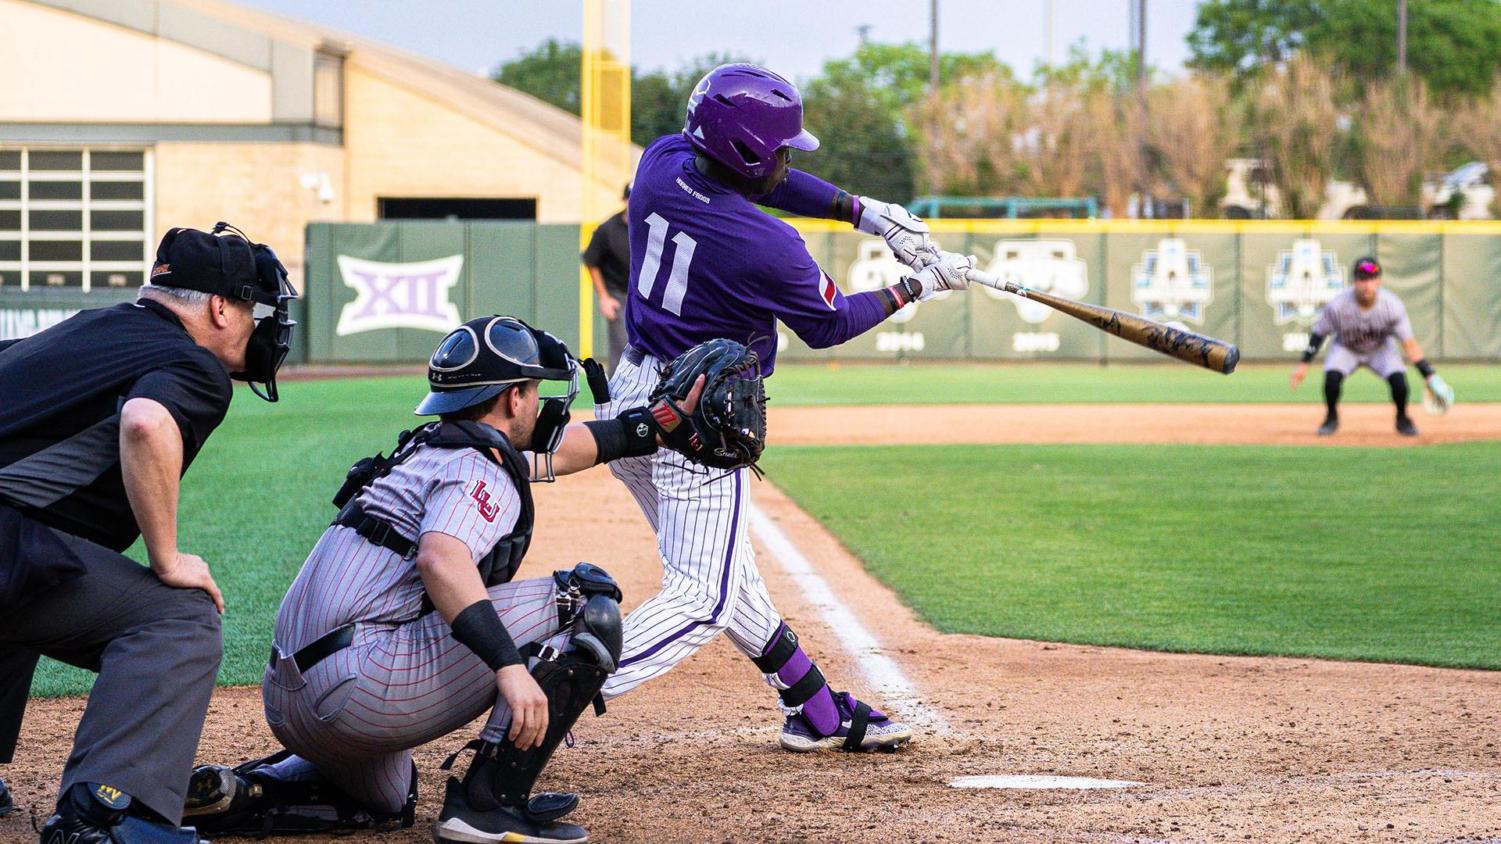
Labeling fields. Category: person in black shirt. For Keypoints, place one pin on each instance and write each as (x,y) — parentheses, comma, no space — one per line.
(100,416)
(608,259)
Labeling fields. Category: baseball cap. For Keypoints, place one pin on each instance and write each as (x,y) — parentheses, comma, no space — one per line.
(1366,268)
(227,264)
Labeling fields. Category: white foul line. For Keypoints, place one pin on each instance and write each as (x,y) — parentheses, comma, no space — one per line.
(881,671)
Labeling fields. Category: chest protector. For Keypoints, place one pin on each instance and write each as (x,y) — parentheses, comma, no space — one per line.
(500,563)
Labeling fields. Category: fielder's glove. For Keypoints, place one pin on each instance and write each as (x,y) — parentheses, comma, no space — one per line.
(728,428)
(906,235)
(1439,396)
(949,272)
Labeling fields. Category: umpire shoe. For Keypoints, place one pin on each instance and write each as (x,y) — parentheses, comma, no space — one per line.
(1405,427)
(94,813)
(460,822)
(1331,424)
(7,805)
(860,729)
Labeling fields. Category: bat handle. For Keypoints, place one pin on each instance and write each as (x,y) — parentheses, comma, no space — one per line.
(981,277)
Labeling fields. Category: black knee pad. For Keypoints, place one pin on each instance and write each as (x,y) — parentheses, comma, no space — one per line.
(589,608)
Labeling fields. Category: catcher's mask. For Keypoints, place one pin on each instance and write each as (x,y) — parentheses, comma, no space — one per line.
(488,355)
(227,263)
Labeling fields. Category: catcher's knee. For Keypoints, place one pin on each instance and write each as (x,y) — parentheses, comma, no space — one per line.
(589,609)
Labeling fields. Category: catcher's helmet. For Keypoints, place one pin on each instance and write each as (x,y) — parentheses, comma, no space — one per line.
(484,356)
(741,114)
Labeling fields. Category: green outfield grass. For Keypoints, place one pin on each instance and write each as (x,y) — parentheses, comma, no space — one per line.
(258,496)
(1369,554)
(1069,383)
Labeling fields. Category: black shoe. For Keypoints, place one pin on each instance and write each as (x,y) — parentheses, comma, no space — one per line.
(1331,424)
(458,822)
(92,813)
(7,805)
(1406,428)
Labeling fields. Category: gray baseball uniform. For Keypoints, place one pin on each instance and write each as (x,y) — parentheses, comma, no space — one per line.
(404,680)
(1364,336)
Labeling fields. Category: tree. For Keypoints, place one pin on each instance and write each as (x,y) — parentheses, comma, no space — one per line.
(863,148)
(1194,128)
(1477,129)
(1454,46)
(659,99)
(550,73)
(1297,125)
(969,145)
(1397,138)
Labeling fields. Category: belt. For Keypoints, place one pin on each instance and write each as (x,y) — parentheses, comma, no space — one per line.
(377,531)
(634,355)
(322,648)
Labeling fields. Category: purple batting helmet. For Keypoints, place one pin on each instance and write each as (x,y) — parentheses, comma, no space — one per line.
(741,114)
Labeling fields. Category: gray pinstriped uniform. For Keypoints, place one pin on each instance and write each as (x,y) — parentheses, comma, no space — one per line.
(709,578)
(404,680)
(1364,337)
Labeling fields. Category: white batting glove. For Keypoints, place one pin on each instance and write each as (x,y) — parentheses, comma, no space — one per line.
(949,272)
(906,235)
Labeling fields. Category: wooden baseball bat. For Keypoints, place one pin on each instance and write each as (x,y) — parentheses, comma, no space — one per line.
(1183,345)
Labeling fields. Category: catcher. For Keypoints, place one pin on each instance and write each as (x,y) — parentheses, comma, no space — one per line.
(404,623)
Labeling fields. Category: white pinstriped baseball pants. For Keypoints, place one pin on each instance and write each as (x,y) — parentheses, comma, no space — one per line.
(709,578)
(357,714)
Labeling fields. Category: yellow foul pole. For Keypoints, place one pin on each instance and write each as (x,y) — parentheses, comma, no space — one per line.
(606,114)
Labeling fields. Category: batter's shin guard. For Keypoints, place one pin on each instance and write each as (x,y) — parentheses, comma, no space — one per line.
(801,685)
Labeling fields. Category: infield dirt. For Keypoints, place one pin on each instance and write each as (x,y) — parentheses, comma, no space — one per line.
(1227,748)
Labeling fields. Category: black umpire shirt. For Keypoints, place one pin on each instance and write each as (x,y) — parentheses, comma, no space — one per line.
(610,250)
(60,397)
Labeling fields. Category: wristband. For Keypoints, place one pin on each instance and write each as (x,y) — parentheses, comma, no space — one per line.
(631,434)
(846,208)
(478,628)
(1424,367)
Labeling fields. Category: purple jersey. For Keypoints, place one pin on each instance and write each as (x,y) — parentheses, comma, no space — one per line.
(707,263)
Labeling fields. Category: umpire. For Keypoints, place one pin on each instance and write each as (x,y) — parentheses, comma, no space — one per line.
(100,416)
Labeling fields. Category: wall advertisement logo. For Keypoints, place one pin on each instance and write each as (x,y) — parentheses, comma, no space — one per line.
(1047,265)
(1302,280)
(1172,283)
(411,295)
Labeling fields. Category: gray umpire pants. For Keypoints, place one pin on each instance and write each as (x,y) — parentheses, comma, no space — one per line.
(156,650)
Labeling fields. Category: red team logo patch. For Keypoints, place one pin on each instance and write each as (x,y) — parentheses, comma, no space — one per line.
(827,290)
(481,498)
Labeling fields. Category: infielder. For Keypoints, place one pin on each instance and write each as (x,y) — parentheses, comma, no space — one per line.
(1366,323)
(707,263)
(404,623)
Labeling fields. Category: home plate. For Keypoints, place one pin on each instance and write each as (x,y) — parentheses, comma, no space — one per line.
(1038,782)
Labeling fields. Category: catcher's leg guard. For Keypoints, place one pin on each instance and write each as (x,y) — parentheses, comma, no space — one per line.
(249,800)
(493,802)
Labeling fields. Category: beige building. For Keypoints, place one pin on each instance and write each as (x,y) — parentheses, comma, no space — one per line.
(121,118)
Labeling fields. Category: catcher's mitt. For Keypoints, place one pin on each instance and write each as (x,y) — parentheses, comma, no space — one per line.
(728,428)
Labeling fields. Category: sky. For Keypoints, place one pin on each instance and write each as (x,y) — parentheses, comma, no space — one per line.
(793,37)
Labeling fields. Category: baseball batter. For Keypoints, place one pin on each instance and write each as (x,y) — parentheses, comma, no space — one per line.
(1366,323)
(404,623)
(707,263)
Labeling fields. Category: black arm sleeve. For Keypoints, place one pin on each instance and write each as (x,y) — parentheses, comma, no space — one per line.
(478,628)
(1315,340)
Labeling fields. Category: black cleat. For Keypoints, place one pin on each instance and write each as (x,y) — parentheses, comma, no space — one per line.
(460,823)
(91,813)
(1406,428)
(1331,424)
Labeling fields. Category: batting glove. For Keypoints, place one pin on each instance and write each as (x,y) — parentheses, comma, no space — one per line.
(949,272)
(906,235)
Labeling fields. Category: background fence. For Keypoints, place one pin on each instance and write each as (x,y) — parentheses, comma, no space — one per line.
(386,292)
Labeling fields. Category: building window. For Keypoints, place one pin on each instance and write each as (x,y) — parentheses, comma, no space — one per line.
(74,218)
(328,90)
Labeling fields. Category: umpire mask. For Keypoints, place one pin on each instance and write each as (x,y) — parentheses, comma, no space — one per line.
(226,262)
(485,356)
